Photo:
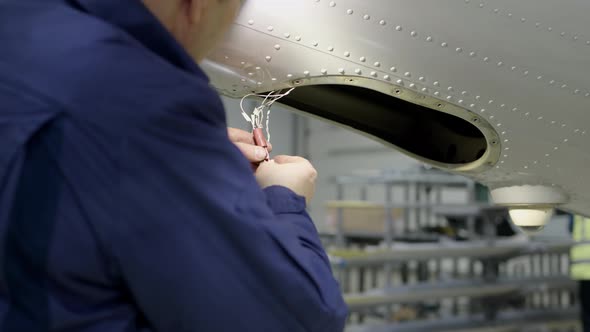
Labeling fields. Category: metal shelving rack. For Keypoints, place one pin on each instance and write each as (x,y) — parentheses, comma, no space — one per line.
(447,285)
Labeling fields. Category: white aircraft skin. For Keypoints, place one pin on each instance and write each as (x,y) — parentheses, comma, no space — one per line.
(517,70)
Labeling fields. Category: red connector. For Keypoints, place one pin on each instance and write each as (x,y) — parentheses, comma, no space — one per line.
(260,140)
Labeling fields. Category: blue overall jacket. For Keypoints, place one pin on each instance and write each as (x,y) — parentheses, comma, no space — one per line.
(124,207)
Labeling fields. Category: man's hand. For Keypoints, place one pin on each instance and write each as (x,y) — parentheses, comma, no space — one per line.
(295,173)
(245,142)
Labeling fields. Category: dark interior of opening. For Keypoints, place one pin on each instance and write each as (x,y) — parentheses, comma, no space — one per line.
(426,132)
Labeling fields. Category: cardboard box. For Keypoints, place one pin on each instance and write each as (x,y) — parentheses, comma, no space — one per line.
(360,217)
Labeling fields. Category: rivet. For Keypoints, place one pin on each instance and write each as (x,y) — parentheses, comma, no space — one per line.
(421,79)
(258,68)
(507,148)
(443,44)
(436,83)
(565,140)
(576,91)
(386,77)
(449,97)
(363,59)
(525,73)
(460,101)
(243,80)
(358,71)
(477,97)
(540,118)
(472,54)
(330,48)
(500,64)
(315,43)
(298,38)
(553,122)
(436,93)
(273,79)
(350,12)
(514,109)
(250,74)
(551,82)
(577,130)
(250,22)
(289,75)
(332,4)
(259,83)
(549,29)
(429,39)
(502,161)
(555,148)
(450,88)
(563,125)
(472,105)
(367,17)
(464,93)
(407,74)
(563,86)
(306,73)
(527,113)
(526,167)
(459,49)
(324,71)
(382,22)
(502,105)
(481,5)
(268,58)
(374,74)
(412,85)
(243,63)
(522,19)
(277,47)
(270,28)
(506,141)
(347,54)
(510,15)
(499,125)
(587,94)
(496,11)
(287,35)
(399,81)
(377,64)
(413,33)
(398,28)
(588,42)
(482,110)
(537,24)
(513,68)
(535,162)
(341,70)
(393,69)
(226,57)
(424,90)
(562,34)
(486,59)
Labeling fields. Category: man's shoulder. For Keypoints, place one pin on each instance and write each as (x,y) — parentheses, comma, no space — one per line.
(96,71)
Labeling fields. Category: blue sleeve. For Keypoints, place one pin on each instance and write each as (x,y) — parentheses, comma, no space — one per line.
(202,248)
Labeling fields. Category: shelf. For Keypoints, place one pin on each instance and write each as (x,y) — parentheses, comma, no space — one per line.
(545,320)
(400,252)
(442,290)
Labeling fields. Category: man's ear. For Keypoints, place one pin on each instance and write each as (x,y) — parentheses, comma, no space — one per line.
(196,10)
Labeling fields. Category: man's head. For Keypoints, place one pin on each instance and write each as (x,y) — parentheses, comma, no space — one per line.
(198,25)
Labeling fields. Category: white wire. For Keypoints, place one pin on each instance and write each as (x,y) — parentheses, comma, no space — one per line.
(257,117)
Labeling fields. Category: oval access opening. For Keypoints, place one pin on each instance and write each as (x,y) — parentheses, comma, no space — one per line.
(430,134)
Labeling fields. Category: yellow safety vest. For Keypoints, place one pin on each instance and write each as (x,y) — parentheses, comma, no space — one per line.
(580,252)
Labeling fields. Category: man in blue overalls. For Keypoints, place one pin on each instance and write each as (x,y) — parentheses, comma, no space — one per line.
(124,205)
